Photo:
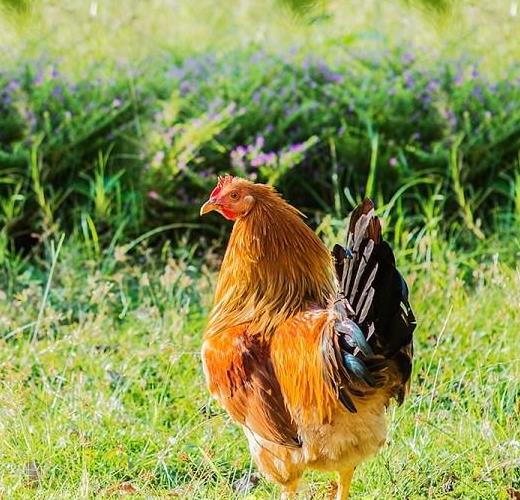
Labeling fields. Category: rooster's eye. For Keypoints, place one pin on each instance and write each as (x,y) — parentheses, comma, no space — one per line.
(233,195)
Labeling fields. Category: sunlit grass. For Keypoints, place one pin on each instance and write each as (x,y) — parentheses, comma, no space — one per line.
(80,33)
(110,396)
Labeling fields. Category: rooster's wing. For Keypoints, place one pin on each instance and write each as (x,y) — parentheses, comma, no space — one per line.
(240,374)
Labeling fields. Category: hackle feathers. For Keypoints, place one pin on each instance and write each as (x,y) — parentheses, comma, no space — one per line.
(274,267)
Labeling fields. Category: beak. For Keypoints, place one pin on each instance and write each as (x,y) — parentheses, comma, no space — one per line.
(209,206)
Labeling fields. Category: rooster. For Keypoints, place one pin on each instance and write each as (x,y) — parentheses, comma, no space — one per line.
(302,349)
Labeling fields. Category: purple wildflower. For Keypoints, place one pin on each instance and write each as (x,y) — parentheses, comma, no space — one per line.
(263,159)
(176,73)
(452,118)
(407,58)
(433,86)
(477,93)
(237,156)
(12,86)
(39,78)
(185,87)
(57,91)
(409,80)
(116,103)
(426,99)
(296,148)
(241,151)
(328,74)
(393,161)
(231,108)
(258,56)
(215,104)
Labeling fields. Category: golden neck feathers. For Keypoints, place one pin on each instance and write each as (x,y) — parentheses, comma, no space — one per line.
(274,267)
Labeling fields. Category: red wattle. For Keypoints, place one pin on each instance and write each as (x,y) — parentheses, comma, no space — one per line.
(228,214)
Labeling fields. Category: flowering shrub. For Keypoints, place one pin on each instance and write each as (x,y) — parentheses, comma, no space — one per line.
(324,133)
(252,161)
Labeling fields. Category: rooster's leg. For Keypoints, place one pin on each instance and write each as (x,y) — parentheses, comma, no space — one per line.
(344,480)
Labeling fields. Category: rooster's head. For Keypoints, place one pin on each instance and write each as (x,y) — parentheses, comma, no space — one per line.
(232,197)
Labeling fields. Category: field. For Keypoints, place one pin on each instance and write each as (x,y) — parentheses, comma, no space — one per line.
(103,392)
(107,272)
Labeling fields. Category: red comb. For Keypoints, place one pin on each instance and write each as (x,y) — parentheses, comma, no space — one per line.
(221,182)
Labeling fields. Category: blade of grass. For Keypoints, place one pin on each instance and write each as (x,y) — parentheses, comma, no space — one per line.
(55,252)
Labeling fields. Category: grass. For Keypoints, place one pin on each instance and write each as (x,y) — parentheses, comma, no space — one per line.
(111,32)
(103,392)
(120,157)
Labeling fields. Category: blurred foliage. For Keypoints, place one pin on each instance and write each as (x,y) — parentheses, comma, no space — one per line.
(299,6)
(19,6)
(121,155)
(82,33)
(114,120)
(306,7)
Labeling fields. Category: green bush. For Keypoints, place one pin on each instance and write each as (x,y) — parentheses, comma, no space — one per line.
(125,154)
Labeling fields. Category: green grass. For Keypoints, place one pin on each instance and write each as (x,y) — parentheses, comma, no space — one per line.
(109,393)
(110,32)
(123,156)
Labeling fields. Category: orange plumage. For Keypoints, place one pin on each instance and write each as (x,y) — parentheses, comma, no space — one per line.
(303,357)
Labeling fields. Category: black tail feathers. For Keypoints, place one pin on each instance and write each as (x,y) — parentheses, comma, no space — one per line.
(374,321)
